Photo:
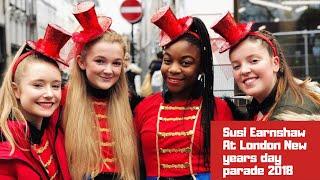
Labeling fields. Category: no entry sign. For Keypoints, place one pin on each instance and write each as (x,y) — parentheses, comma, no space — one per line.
(131,10)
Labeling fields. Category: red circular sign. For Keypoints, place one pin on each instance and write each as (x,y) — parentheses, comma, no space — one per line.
(131,10)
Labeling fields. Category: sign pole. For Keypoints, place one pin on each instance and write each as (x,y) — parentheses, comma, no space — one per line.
(132,44)
(131,10)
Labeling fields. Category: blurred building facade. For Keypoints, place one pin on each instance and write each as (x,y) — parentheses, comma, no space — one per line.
(22,20)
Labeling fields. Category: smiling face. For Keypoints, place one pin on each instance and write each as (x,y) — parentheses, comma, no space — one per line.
(102,64)
(180,68)
(254,70)
(38,90)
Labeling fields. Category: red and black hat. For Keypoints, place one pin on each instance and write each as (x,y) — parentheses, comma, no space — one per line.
(50,45)
(171,27)
(231,31)
(92,26)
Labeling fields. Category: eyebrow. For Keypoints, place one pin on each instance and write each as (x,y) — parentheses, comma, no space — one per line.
(42,80)
(246,57)
(99,57)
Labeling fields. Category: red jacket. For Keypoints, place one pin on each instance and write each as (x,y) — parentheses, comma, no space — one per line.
(177,150)
(23,164)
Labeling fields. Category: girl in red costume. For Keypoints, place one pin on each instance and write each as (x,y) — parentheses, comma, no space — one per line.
(174,126)
(31,141)
(99,131)
(261,71)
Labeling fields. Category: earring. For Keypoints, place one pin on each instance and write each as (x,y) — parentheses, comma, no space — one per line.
(202,78)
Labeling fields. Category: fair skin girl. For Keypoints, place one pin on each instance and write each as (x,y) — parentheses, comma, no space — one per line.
(180,68)
(38,91)
(254,69)
(102,64)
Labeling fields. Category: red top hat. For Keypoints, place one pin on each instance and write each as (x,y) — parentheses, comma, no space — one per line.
(93,27)
(50,45)
(231,31)
(171,27)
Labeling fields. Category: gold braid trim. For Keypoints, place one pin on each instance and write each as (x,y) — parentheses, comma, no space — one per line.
(183,133)
(179,150)
(108,160)
(41,149)
(175,166)
(101,116)
(54,176)
(48,162)
(108,144)
(177,118)
(179,108)
(104,130)
(99,103)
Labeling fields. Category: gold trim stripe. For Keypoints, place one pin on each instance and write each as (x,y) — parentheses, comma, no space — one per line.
(182,133)
(101,116)
(108,160)
(99,103)
(177,118)
(179,108)
(48,162)
(41,149)
(175,166)
(107,144)
(105,130)
(54,176)
(178,150)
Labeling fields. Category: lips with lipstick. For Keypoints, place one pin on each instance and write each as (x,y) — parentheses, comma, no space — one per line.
(46,105)
(174,81)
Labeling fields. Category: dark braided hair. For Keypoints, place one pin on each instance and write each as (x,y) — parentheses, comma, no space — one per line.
(205,87)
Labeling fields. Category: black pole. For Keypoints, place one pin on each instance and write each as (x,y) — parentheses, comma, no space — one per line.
(132,44)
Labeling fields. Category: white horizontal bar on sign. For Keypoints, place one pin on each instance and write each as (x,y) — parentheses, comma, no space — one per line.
(131,9)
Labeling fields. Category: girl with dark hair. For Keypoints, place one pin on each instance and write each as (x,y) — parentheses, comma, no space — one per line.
(261,71)
(174,126)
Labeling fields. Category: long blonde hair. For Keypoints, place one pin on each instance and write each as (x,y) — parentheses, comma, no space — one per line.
(82,140)
(8,103)
(285,78)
